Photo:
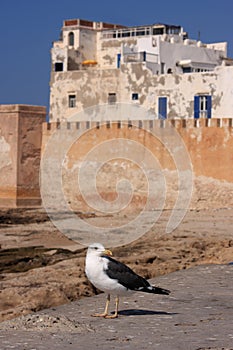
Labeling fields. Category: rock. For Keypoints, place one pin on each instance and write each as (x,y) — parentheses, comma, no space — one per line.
(41,288)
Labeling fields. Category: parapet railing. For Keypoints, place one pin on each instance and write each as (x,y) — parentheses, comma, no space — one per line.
(141,124)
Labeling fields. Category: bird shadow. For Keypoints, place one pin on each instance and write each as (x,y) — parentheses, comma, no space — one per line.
(143,312)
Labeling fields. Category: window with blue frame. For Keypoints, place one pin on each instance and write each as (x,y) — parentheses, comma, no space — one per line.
(202,106)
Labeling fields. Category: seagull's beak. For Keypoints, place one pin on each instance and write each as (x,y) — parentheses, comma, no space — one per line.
(107,252)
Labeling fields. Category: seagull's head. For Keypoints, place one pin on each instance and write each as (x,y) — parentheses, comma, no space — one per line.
(98,249)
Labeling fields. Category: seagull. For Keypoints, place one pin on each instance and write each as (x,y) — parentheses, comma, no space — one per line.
(113,277)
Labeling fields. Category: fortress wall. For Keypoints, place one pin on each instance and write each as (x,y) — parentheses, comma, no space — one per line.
(20,153)
(116,150)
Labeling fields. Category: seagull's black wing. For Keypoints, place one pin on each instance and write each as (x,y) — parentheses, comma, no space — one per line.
(129,279)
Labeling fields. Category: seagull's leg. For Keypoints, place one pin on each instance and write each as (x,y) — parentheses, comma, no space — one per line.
(115,315)
(105,313)
(107,305)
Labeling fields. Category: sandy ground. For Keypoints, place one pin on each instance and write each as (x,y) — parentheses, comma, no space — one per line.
(41,268)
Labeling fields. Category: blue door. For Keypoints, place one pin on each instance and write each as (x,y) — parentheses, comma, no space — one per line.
(118,60)
(162,110)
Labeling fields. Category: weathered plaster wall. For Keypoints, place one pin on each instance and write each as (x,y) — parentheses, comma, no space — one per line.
(93,85)
(87,44)
(209,144)
(59,54)
(88,87)
(20,151)
(107,50)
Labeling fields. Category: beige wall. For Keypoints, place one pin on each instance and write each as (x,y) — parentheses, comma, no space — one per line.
(209,144)
(20,151)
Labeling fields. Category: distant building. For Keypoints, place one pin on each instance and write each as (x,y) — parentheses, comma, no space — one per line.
(156,66)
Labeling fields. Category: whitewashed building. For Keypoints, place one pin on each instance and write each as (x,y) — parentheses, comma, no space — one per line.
(156,66)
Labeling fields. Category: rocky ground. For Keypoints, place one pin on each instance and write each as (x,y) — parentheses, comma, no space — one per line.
(40,268)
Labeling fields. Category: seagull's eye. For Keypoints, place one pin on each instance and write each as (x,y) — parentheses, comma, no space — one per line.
(95,248)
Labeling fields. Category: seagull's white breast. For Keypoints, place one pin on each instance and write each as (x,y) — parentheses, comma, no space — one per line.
(95,271)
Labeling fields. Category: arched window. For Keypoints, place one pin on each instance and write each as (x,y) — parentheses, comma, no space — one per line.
(71,39)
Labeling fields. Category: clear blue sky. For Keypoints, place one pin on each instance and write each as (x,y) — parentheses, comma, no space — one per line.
(28,28)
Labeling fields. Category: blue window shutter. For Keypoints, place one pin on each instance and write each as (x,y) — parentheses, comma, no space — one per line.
(209,106)
(196,107)
(118,60)
(162,108)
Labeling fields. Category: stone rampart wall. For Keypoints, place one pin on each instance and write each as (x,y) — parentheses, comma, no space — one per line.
(20,153)
(108,152)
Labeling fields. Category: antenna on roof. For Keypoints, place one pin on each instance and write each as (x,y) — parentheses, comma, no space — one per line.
(199,36)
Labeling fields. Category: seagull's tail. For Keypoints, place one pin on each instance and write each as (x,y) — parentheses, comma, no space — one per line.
(155,290)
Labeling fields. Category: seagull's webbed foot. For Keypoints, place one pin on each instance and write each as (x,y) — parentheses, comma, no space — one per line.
(105,313)
(115,315)
(100,315)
